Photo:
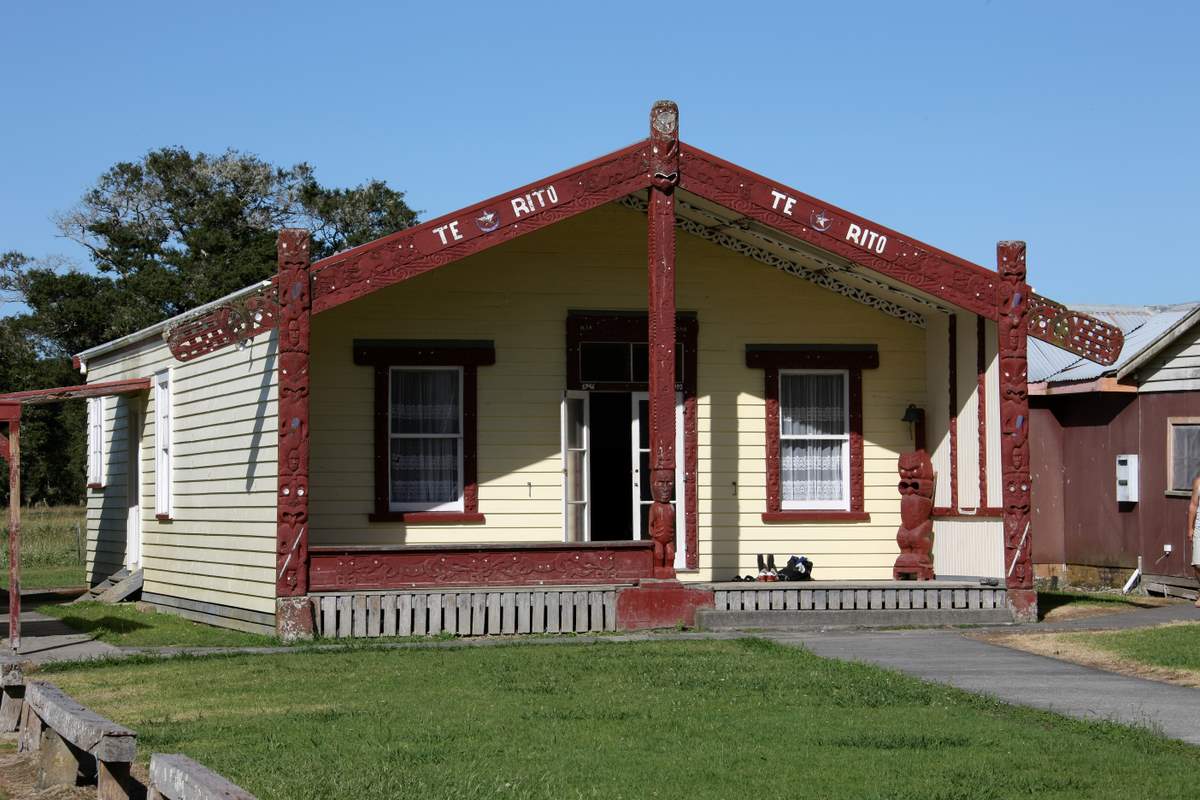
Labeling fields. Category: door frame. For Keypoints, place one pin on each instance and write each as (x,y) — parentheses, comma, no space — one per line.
(134,539)
(681,475)
(567,395)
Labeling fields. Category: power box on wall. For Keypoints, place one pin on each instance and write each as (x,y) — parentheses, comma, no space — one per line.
(1127,478)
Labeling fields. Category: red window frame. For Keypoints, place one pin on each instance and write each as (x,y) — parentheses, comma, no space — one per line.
(383,355)
(771,358)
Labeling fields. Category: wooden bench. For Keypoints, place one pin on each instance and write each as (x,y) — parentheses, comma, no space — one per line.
(177,777)
(72,741)
(12,685)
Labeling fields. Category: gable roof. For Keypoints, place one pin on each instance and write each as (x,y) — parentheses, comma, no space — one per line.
(918,270)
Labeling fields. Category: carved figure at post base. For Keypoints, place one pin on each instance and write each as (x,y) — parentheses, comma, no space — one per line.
(662,522)
(915,536)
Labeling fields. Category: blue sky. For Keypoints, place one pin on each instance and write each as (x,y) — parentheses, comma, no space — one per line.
(1070,125)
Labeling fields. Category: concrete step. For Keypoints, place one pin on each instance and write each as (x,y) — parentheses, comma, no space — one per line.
(712,620)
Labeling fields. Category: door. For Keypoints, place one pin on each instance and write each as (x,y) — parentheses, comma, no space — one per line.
(640,433)
(133,495)
(575,438)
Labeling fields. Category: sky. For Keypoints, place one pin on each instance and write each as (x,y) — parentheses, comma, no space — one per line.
(1071,125)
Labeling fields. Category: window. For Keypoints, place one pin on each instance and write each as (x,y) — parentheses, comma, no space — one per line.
(814,440)
(425,429)
(164,505)
(1183,453)
(814,420)
(95,466)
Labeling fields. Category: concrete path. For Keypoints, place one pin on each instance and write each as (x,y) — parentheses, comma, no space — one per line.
(949,657)
(45,639)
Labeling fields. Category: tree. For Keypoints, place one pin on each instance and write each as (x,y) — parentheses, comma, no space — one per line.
(165,234)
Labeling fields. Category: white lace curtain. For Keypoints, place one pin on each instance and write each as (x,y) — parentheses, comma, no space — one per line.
(813,437)
(426,436)
(1186,456)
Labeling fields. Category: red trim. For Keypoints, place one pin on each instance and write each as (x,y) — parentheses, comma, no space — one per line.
(10,411)
(1074,332)
(1013,307)
(164,518)
(383,355)
(429,517)
(774,480)
(402,567)
(56,394)
(76,363)
(816,516)
(413,251)
(981,390)
(96,486)
(953,418)
(812,356)
(775,511)
(295,322)
(911,262)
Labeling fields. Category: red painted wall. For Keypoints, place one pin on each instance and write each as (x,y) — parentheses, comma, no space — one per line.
(1077,520)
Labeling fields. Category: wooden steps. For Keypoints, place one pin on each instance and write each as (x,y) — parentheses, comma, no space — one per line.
(121,585)
(1171,586)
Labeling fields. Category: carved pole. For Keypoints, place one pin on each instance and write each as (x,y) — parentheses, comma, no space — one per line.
(293,619)
(10,450)
(664,175)
(1013,298)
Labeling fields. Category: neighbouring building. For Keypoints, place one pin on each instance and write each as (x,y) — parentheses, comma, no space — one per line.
(1115,450)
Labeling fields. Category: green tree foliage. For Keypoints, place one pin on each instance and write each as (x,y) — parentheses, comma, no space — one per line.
(166,233)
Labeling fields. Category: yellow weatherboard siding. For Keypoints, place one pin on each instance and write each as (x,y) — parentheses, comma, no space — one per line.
(219,548)
(518,295)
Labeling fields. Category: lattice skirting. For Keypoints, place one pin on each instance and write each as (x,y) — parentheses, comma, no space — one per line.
(467,612)
(859,599)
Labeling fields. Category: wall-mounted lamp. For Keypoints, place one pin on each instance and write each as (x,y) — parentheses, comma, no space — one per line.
(915,417)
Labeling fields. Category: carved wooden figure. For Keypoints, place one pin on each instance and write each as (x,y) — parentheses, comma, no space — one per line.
(915,536)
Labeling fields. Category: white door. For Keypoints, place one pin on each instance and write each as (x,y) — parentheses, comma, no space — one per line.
(575,440)
(133,471)
(640,433)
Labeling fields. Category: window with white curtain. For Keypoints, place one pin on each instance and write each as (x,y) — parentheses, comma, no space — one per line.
(95,438)
(425,425)
(814,439)
(163,465)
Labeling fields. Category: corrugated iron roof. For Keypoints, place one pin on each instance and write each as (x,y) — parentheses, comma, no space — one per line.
(1142,326)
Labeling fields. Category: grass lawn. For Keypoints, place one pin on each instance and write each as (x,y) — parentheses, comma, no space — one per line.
(705,719)
(125,625)
(1174,646)
(50,547)
(1060,605)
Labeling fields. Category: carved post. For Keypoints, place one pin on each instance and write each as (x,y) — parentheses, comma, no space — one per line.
(10,451)
(664,175)
(1013,298)
(293,618)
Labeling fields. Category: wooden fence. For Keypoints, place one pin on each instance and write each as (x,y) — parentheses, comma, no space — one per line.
(860,598)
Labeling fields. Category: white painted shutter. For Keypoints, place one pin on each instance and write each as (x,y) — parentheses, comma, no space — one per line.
(163,501)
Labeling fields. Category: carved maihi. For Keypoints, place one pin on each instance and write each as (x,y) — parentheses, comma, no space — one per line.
(915,536)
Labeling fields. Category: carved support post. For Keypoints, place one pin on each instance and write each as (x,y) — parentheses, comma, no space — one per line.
(10,451)
(293,618)
(1013,299)
(664,175)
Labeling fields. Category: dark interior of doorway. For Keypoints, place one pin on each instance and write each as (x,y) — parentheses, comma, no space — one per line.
(612,466)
